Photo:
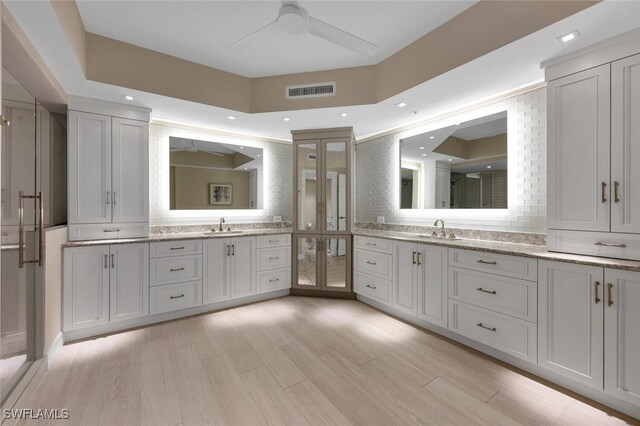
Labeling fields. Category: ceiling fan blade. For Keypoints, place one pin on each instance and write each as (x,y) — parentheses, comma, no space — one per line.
(342,38)
(267,30)
(212,153)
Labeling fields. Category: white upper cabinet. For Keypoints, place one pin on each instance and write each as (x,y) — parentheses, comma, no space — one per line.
(622,340)
(625,145)
(130,166)
(578,132)
(89,168)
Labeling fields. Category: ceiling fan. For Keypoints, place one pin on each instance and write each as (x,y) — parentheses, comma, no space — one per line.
(191,147)
(294,19)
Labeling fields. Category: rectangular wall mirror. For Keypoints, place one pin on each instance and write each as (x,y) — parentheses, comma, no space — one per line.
(214,176)
(463,166)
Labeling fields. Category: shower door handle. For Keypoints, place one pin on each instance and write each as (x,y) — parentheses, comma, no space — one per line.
(21,244)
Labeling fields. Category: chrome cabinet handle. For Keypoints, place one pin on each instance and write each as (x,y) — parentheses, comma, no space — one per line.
(108,197)
(371,263)
(228,250)
(419,261)
(609,296)
(487,328)
(616,196)
(113,196)
(370,244)
(610,245)
(176,269)
(604,190)
(111,230)
(113,261)
(597,284)
(274,258)
(486,291)
(413,257)
(176,297)
(274,280)
(176,248)
(233,249)
(274,241)
(486,262)
(372,287)
(106,262)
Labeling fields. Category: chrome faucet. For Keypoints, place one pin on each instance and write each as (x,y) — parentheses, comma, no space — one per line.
(443,233)
(221,222)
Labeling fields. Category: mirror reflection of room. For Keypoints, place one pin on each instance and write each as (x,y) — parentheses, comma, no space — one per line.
(210,175)
(463,166)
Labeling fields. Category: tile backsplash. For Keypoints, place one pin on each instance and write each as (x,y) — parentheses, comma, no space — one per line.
(378,164)
(277,186)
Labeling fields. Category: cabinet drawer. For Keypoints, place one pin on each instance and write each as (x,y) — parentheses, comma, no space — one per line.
(280,240)
(373,287)
(108,231)
(375,244)
(274,258)
(507,334)
(605,244)
(178,269)
(173,297)
(506,295)
(176,248)
(370,262)
(274,280)
(510,266)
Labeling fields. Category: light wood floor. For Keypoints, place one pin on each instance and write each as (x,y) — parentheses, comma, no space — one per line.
(297,361)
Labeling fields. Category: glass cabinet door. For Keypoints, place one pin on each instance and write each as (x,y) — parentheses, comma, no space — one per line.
(337,264)
(307,258)
(336,191)
(307,188)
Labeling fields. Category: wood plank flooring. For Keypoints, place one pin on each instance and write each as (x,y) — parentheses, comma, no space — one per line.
(297,361)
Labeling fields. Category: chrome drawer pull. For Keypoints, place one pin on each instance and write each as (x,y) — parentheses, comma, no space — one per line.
(371,263)
(176,297)
(176,248)
(372,287)
(274,258)
(273,281)
(486,262)
(486,291)
(485,327)
(106,262)
(176,269)
(599,243)
(371,244)
(110,230)
(274,241)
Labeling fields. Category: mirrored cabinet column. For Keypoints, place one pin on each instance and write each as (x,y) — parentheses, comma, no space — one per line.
(322,205)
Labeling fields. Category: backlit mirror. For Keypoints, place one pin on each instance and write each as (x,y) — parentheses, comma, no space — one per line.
(214,176)
(463,166)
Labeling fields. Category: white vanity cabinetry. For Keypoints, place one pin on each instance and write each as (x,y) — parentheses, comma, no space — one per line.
(593,151)
(108,167)
(273,263)
(105,284)
(373,268)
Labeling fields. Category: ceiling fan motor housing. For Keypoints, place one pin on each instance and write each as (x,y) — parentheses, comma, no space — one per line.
(293,19)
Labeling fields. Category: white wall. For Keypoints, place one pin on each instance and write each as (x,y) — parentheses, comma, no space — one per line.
(378,178)
(277,187)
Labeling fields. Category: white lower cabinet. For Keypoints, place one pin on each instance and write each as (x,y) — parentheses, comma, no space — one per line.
(229,268)
(273,263)
(173,297)
(215,253)
(129,281)
(405,277)
(242,265)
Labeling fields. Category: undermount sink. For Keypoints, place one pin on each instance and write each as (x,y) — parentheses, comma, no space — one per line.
(222,233)
(438,238)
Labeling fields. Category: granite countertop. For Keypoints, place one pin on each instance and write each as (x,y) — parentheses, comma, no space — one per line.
(154,238)
(513,249)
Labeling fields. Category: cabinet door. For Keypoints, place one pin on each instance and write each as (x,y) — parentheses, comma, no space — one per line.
(215,270)
(130,190)
(308,257)
(622,340)
(570,321)
(243,267)
(337,263)
(129,281)
(89,160)
(625,145)
(309,185)
(86,287)
(336,198)
(432,284)
(405,289)
(578,151)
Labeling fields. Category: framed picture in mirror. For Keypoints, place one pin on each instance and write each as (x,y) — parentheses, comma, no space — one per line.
(220,194)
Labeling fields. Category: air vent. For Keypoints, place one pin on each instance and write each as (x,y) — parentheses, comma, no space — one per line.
(311,90)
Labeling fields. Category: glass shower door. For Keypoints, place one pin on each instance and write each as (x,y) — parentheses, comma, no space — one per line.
(21,221)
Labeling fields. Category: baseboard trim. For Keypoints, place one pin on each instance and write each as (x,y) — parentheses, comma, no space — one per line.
(595,395)
(323,293)
(73,335)
(57,343)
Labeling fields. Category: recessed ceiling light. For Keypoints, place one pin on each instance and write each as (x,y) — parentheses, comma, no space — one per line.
(344,114)
(488,167)
(424,155)
(450,159)
(259,155)
(432,137)
(401,104)
(242,147)
(231,117)
(422,147)
(286,119)
(245,168)
(568,37)
(129,97)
